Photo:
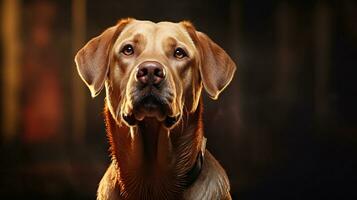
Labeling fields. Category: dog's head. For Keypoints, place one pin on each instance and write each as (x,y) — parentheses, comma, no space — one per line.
(153,70)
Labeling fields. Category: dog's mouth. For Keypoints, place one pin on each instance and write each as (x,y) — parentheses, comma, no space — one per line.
(151,106)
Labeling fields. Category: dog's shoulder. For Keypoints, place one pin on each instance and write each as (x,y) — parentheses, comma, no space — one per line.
(212,183)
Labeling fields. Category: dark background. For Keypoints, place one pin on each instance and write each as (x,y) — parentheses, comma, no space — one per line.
(285,128)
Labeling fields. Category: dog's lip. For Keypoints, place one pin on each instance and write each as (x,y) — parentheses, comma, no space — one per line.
(152,107)
(151,104)
(168,121)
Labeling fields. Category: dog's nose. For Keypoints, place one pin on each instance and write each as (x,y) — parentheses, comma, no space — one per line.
(150,72)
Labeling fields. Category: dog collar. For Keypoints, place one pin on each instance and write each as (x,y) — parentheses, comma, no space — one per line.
(195,171)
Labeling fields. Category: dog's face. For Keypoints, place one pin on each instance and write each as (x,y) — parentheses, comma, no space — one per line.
(153,70)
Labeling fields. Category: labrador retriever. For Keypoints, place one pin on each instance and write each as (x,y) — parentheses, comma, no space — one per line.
(153,74)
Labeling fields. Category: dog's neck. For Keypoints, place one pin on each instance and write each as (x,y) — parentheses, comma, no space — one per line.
(151,160)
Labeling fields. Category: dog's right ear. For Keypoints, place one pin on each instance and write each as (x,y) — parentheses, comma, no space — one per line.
(216,66)
(93,59)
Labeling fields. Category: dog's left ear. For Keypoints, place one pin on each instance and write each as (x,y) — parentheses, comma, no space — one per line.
(216,66)
(93,59)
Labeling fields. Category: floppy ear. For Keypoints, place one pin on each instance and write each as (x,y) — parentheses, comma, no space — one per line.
(93,59)
(216,66)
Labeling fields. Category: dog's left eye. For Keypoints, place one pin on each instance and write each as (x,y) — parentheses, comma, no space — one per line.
(127,50)
(180,53)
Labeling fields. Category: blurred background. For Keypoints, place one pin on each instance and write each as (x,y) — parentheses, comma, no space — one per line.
(285,128)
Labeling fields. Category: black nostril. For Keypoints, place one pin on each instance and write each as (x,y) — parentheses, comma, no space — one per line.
(159,72)
(142,72)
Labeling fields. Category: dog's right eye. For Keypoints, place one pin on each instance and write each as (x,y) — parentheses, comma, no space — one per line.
(127,50)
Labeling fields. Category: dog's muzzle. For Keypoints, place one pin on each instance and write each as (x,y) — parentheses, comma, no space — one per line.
(149,98)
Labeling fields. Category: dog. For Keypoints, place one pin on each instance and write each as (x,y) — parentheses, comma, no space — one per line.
(153,75)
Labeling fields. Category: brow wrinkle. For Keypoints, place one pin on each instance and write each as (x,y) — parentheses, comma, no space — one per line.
(169,45)
(138,38)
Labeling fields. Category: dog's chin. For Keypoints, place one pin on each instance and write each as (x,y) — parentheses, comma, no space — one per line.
(153,109)
(168,121)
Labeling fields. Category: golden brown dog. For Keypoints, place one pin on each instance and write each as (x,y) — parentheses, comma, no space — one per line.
(153,74)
